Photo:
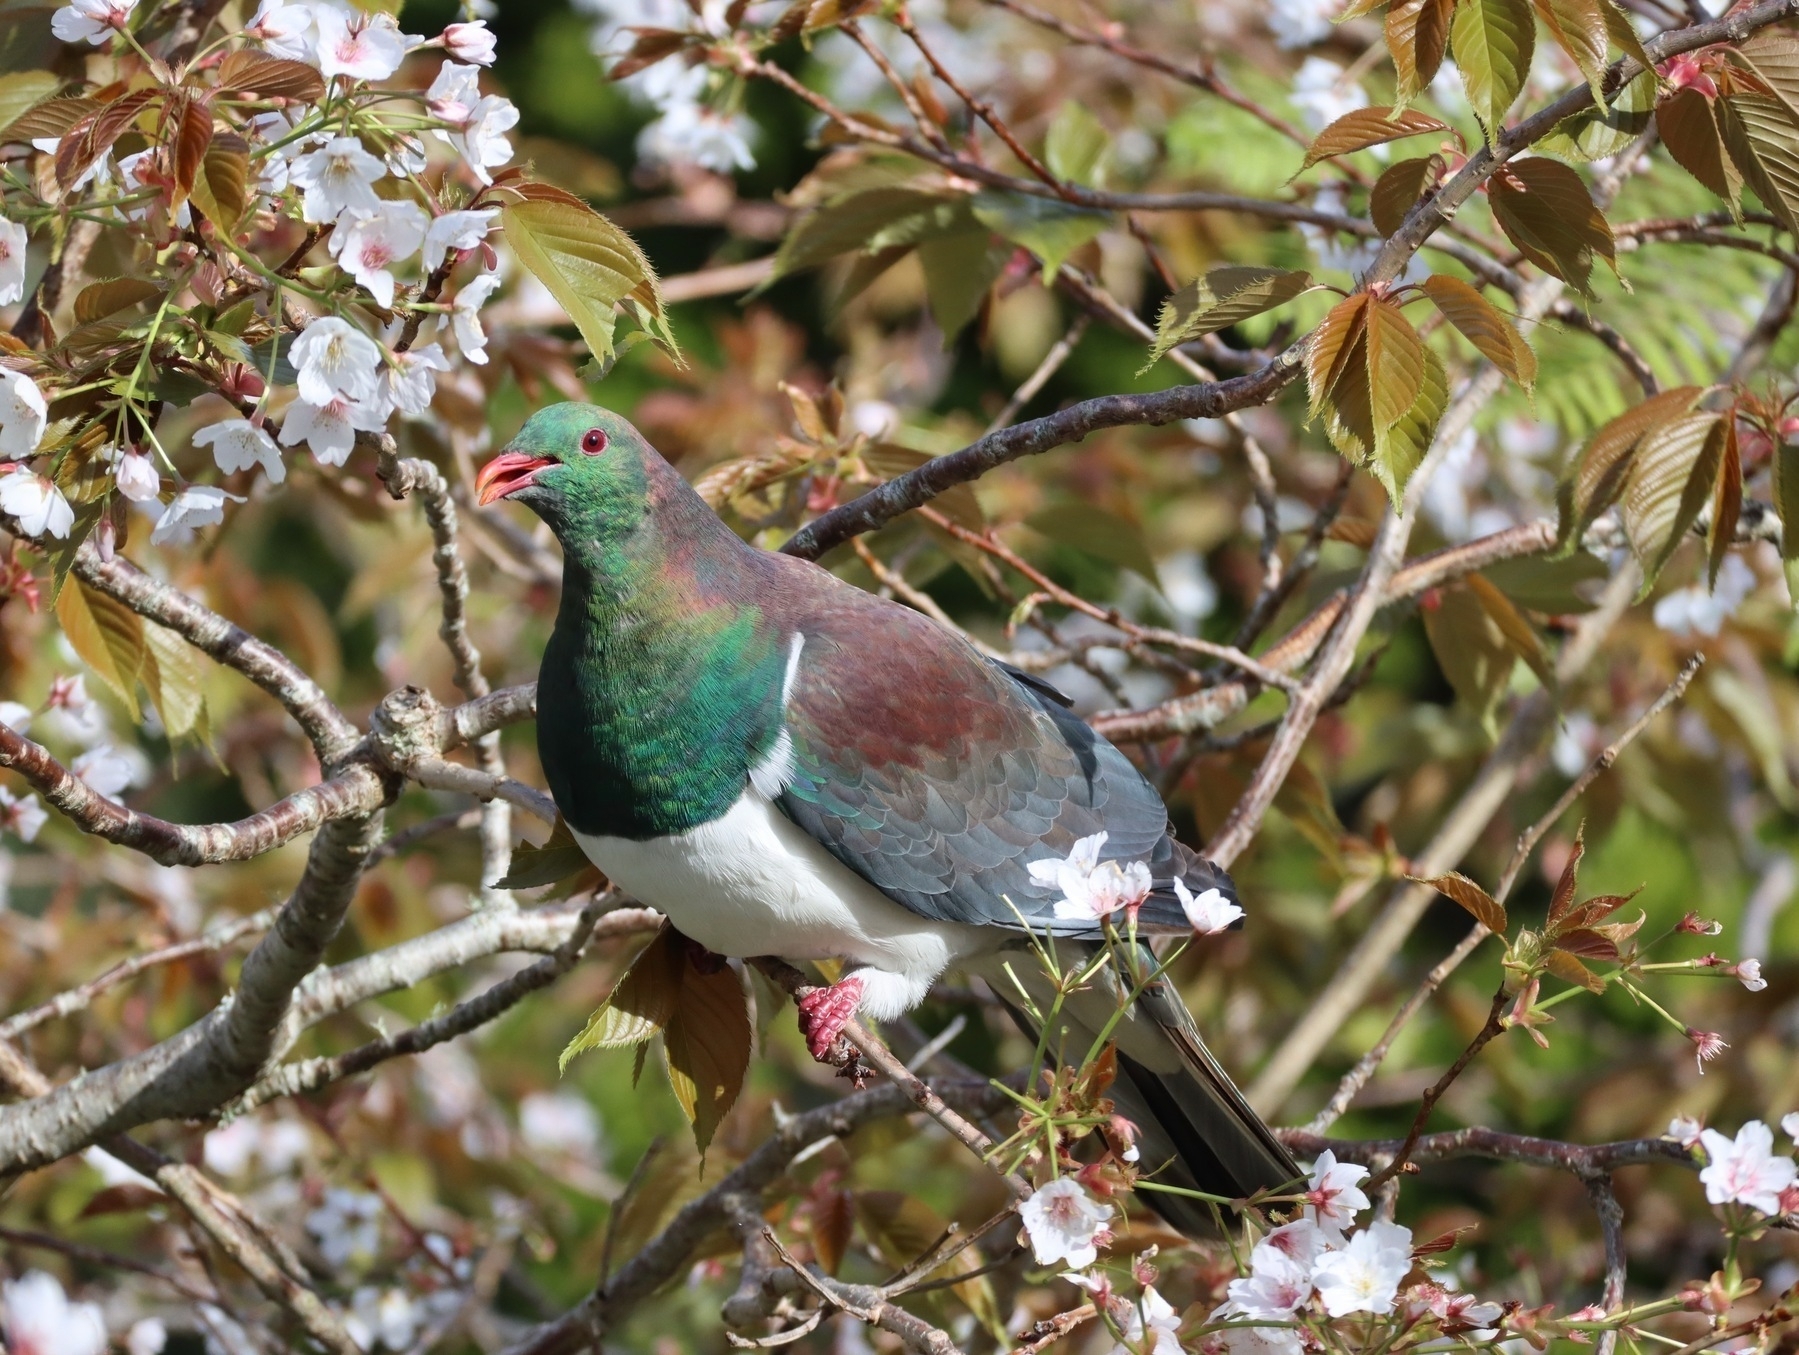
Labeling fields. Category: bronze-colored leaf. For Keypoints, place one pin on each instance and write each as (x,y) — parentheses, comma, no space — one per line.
(1545,210)
(1591,912)
(93,137)
(1399,188)
(1563,899)
(192,124)
(1221,298)
(651,45)
(1481,323)
(1365,127)
(1605,463)
(1518,632)
(1395,364)
(833,1217)
(1579,29)
(1671,480)
(641,1003)
(1471,650)
(1417,33)
(1564,966)
(251,72)
(1688,126)
(51,118)
(1764,146)
(707,1044)
(221,189)
(559,857)
(1337,343)
(1587,944)
(1727,502)
(1484,908)
(98,300)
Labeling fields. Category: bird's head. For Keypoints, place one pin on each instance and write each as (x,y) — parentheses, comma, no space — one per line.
(572,463)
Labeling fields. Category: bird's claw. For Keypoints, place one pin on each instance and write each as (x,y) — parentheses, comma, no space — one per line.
(824,1012)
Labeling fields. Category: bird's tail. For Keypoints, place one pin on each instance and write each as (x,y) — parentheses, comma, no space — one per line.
(1195,1130)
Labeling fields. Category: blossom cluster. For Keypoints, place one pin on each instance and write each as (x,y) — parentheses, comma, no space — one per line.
(70,716)
(1745,1170)
(357,168)
(1096,890)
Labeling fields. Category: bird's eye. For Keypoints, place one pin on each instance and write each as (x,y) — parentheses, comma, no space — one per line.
(593,441)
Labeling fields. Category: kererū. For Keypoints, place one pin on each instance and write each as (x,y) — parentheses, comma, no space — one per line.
(784,764)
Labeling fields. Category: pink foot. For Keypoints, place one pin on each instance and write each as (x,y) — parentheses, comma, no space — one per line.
(824,1012)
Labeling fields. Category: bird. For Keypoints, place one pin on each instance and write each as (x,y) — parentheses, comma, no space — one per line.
(785,764)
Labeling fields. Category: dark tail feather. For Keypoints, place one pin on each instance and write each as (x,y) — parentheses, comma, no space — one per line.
(1195,1129)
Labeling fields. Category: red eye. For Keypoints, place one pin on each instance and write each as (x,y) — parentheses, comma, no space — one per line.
(593,441)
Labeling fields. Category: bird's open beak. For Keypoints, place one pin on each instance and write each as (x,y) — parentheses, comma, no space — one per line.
(508,473)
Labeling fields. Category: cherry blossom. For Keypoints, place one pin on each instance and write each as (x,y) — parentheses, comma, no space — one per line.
(23,415)
(1364,1276)
(1707,1045)
(1273,1339)
(13,240)
(40,1320)
(238,444)
(1335,1197)
(455,231)
(406,384)
(1749,974)
(692,133)
(1276,1285)
(347,1227)
(1064,1223)
(194,507)
(1209,911)
(93,21)
(135,474)
(329,429)
(1300,1241)
(453,94)
(110,771)
(481,141)
(465,316)
(1152,1327)
(1745,1170)
(37,504)
(335,177)
(1789,1124)
(22,814)
(367,241)
(1685,1130)
(1694,925)
(358,47)
(1300,23)
(385,1317)
(285,30)
(559,1122)
(1092,888)
(16,716)
(148,1336)
(334,358)
(72,714)
(472,42)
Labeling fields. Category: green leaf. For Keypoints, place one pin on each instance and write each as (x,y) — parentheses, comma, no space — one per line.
(1605,462)
(1398,189)
(1545,210)
(1671,479)
(1564,966)
(1219,299)
(1417,32)
(641,1002)
(98,300)
(707,1044)
(1470,649)
(221,188)
(22,90)
(1076,145)
(173,677)
(1579,29)
(588,264)
(1786,503)
(1050,229)
(1548,583)
(1687,123)
(958,270)
(1493,41)
(1518,632)
(1399,449)
(559,857)
(867,221)
(1596,133)
(1395,365)
(1365,127)
(1481,323)
(1098,533)
(1764,146)
(108,636)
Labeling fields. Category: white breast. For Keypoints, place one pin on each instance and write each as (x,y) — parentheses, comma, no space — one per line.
(753,882)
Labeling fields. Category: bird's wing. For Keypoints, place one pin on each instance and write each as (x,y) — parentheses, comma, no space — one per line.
(939,776)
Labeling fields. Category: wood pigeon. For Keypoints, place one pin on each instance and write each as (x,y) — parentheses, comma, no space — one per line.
(784,764)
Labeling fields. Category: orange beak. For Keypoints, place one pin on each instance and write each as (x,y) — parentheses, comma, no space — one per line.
(508,473)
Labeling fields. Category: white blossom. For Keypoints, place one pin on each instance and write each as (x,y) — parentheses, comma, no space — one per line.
(453,94)
(358,47)
(285,30)
(1092,888)
(1301,1241)
(16,716)
(367,242)
(456,230)
(1274,1339)
(1322,94)
(692,133)
(238,444)
(1745,1170)
(98,171)
(465,316)
(1300,23)
(336,176)
(407,383)
(111,771)
(1789,1124)
(334,358)
(481,141)
(136,477)
(471,42)
(1152,1328)
(13,240)
(1275,1286)
(23,415)
(131,183)
(388,1318)
(1700,611)
(277,1145)
(1208,911)
(1749,974)
(40,1320)
(1685,1130)
(22,814)
(347,1226)
(92,21)
(36,503)
(194,507)
(1335,1196)
(1064,1222)
(329,430)
(559,1122)
(1364,1276)
(148,1336)
(72,713)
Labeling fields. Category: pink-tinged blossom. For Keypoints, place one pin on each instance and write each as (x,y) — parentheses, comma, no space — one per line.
(337,176)
(21,814)
(1685,1130)
(368,243)
(1064,1223)
(13,240)
(465,316)
(456,231)
(1335,1196)
(285,30)
(1091,888)
(1300,1241)
(16,716)
(1458,1312)
(482,141)
(471,42)
(358,46)
(1364,1276)
(1749,974)
(1275,1286)
(23,415)
(1152,1327)
(1707,1045)
(334,359)
(1746,1170)
(453,94)
(93,21)
(238,444)
(194,507)
(37,504)
(1208,911)
(40,1320)
(110,771)
(329,429)
(136,477)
